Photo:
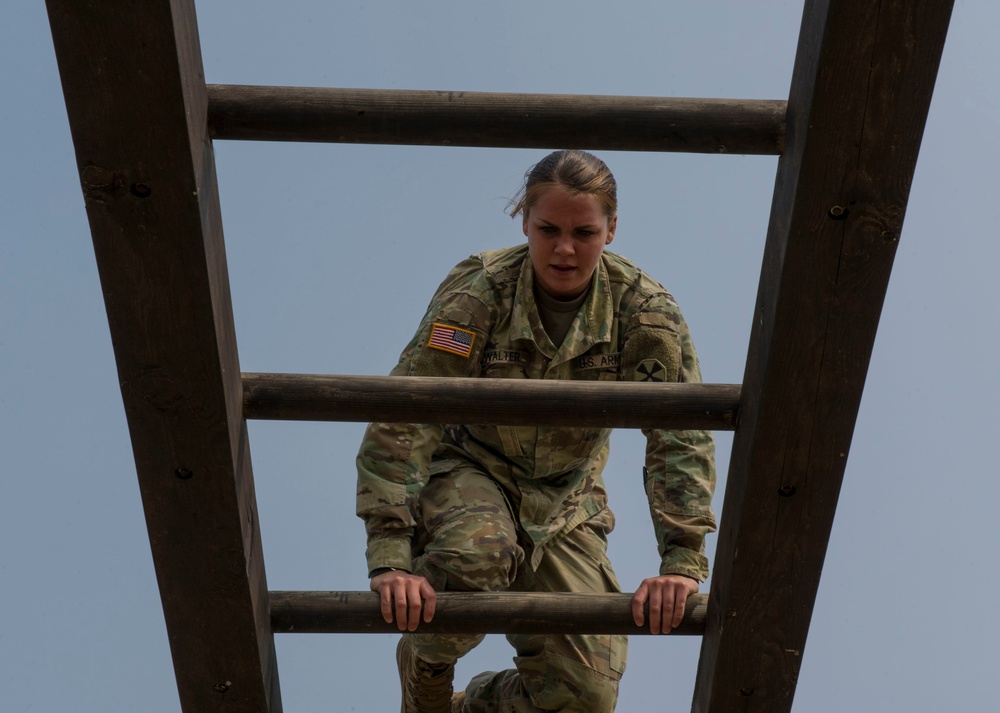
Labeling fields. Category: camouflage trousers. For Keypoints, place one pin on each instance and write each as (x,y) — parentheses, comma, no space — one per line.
(468,541)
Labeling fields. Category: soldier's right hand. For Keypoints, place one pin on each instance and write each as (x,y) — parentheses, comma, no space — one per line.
(404,597)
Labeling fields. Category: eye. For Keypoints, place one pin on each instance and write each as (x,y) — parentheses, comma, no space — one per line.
(584,233)
(547,228)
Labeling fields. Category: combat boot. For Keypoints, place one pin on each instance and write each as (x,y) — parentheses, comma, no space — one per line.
(426,687)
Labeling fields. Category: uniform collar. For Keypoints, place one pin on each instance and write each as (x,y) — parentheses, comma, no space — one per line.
(591,326)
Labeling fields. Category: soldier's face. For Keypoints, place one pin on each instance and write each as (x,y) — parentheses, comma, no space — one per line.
(566,236)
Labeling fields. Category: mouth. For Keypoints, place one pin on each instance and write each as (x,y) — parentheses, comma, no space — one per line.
(562,269)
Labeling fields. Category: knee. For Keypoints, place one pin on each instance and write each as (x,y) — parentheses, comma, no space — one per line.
(475,557)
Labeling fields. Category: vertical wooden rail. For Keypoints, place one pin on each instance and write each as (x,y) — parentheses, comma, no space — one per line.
(135,93)
(860,92)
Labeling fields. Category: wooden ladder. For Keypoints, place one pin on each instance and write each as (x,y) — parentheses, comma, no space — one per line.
(143,121)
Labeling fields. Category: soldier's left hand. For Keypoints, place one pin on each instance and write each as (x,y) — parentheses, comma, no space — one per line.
(667,596)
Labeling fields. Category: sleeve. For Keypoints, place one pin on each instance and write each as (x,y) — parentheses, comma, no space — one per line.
(394,458)
(679,475)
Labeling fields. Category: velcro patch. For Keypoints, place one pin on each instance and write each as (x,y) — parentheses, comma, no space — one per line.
(598,361)
(504,356)
(451,339)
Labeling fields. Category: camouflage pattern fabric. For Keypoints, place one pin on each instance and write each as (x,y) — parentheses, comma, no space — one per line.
(483,322)
(469,542)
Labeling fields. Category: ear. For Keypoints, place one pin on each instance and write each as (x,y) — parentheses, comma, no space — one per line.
(612,225)
(524,222)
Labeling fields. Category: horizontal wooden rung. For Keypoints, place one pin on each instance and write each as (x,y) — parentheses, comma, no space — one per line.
(443,118)
(474,613)
(521,402)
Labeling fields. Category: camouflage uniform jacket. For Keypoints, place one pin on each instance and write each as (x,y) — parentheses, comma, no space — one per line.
(484,322)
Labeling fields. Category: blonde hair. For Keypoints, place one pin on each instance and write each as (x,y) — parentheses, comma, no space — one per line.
(576,171)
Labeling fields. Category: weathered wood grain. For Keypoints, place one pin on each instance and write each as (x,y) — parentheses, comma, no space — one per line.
(135,94)
(861,87)
(475,612)
(422,399)
(449,118)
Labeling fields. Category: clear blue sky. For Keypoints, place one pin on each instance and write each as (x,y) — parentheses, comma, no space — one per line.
(334,252)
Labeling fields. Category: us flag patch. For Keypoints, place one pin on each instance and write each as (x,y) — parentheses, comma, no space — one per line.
(451,339)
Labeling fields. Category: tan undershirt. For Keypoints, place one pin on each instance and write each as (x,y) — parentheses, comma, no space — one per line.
(557,315)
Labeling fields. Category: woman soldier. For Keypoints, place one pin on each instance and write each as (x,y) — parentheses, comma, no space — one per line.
(515,508)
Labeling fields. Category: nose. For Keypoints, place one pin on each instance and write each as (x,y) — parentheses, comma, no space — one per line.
(564,245)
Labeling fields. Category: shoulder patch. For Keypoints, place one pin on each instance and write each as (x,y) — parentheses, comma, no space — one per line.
(454,340)
(650,370)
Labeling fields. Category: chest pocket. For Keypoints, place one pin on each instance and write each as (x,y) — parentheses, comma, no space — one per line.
(504,363)
(501,363)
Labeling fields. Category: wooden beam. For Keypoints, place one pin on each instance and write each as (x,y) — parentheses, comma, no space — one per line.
(134,87)
(429,118)
(474,613)
(421,399)
(861,87)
